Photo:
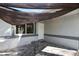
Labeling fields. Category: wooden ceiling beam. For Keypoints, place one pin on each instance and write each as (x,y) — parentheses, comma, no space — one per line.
(18,18)
(41,5)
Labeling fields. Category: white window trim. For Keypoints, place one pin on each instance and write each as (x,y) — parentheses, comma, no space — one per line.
(26,30)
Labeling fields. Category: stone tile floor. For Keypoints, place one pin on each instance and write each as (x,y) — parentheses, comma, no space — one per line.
(33,49)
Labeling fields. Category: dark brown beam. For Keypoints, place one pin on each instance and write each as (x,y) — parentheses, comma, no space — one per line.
(56,14)
(12,17)
(7,19)
(6,7)
(41,5)
(45,16)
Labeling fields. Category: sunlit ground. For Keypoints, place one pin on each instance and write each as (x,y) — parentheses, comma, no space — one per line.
(59,51)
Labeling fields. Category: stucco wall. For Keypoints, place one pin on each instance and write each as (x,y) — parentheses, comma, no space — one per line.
(9,43)
(40,30)
(15,42)
(5,28)
(67,26)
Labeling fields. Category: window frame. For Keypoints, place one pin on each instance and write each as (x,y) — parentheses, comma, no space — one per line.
(34,30)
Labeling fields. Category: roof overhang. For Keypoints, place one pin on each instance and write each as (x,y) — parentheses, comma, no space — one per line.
(11,14)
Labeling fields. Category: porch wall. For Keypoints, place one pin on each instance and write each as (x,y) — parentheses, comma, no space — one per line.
(63,31)
(9,42)
(5,28)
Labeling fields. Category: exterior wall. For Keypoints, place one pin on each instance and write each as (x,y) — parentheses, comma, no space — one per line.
(5,28)
(67,26)
(68,43)
(9,42)
(40,30)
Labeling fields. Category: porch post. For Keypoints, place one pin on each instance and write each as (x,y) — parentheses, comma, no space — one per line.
(12,31)
(40,30)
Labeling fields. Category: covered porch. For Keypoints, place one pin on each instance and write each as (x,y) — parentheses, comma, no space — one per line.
(27,29)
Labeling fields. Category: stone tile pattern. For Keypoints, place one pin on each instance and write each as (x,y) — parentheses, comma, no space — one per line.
(33,49)
(26,50)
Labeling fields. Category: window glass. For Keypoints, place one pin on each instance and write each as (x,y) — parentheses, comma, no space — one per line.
(20,29)
(30,28)
(25,29)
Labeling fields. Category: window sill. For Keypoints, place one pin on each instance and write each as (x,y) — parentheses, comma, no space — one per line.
(16,36)
(25,35)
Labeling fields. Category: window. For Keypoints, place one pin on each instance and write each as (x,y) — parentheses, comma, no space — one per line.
(20,29)
(28,28)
